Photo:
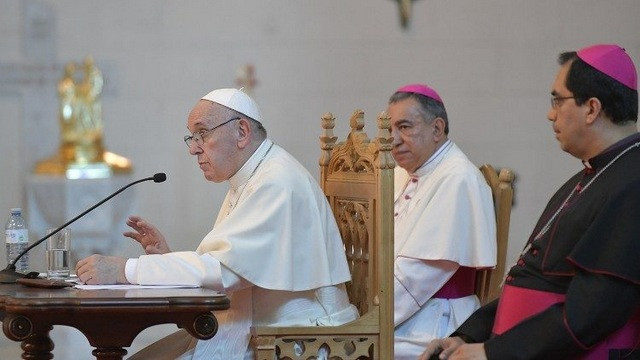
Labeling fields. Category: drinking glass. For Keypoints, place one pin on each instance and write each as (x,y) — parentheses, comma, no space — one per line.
(58,252)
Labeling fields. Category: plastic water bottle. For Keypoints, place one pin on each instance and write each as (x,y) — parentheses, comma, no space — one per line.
(17,239)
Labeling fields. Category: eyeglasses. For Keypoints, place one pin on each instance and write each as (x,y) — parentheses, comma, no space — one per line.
(199,136)
(557,100)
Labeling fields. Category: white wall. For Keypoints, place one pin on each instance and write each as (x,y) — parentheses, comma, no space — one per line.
(492,62)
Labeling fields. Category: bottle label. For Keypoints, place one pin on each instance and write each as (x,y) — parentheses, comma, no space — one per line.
(17,236)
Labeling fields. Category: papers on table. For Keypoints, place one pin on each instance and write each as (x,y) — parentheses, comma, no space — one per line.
(132,286)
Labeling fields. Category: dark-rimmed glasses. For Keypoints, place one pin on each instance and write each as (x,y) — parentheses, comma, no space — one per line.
(557,100)
(199,136)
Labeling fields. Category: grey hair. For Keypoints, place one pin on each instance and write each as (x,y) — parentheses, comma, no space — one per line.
(429,108)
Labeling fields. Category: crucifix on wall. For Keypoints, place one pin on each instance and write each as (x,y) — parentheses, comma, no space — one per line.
(405,7)
(246,78)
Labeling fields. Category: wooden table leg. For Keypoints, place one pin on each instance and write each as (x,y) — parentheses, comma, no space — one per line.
(36,343)
(37,347)
(109,353)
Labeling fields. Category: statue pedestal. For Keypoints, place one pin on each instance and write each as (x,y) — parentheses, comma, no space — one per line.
(54,200)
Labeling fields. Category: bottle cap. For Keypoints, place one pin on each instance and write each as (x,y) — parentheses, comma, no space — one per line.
(15,211)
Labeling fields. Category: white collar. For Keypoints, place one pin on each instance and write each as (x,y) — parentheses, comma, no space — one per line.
(434,160)
(249,167)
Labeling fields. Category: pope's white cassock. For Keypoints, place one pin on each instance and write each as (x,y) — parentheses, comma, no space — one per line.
(275,250)
(444,222)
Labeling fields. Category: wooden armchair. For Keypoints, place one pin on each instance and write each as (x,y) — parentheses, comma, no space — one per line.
(489,281)
(357,178)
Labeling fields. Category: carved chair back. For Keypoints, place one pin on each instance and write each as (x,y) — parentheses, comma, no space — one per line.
(489,281)
(357,177)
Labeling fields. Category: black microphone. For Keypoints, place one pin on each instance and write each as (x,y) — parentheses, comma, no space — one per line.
(9,275)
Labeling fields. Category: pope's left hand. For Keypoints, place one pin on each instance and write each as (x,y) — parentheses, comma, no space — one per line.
(99,269)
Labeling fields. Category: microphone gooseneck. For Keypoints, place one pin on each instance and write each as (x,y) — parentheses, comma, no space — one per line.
(9,274)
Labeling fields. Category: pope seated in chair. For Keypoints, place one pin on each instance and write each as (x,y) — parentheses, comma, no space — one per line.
(275,248)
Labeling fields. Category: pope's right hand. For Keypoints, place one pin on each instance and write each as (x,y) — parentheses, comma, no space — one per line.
(147,235)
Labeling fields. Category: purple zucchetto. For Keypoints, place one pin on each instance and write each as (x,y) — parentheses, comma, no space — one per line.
(613,61)
(422,90)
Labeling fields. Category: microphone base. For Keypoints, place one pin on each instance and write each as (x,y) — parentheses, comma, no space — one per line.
(8,276)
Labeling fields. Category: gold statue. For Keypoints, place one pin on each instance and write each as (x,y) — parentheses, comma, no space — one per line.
(81,153)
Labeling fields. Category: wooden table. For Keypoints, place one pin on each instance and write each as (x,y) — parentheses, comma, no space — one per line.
(110,319)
